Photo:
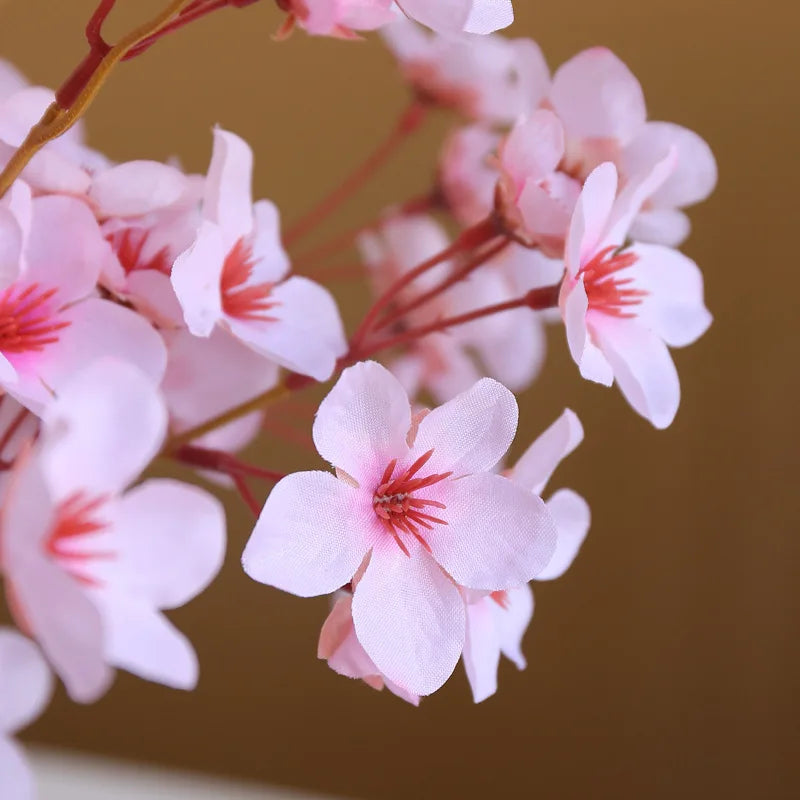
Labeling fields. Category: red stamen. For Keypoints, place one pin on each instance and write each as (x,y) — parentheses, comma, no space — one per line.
(28,319)
(607,292)
(129,244)
(398,510)
(249,303)
(76,517)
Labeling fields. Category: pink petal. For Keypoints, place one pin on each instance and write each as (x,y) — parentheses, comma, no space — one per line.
(695,175)
(228,200)
(26,682)
(539,461)
(339,645)
(143,641)
(65,248)
(481,650)
(271,261)
(311,536)
(573,518)
(472,432)
(104,427)
(305,333)
(597,96)
(10,247)
(151,293)
(642,367)
(674,305)
(534,147)
(410,619)
(661,226)
(591,216)
(196,278)
(137,188)
(497,535)
(170,543)
(16,774)
(512,622)
(445,16)
(207,377)
(11,80)
(591,361)
(363,422)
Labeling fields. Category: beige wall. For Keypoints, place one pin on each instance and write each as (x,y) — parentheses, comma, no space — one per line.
(665,664)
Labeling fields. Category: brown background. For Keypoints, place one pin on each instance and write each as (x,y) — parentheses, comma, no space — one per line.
(665,663)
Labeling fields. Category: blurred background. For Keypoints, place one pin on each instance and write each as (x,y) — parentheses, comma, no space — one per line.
(666,662)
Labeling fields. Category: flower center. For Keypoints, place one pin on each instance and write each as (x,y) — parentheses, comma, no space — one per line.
(76,518)
(607,292)
(28,320)
(249,303)
(399,510)
(129,243)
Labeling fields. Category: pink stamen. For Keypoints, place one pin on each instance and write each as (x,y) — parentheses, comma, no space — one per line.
(77,517)
(396,507)
(28,320)
(248,303)
(606,291)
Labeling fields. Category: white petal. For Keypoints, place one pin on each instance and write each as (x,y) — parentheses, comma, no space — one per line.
(410,619)
(497,535)
(143,641)
(106,425)
(25,681)
(642,367)
(539,461)
(311,536)
(15,773)
(572,517)
(136,188)
(481,650)
(591,216)
(363,422)
(592,363)
(272,263)
(472,432)
(512,622)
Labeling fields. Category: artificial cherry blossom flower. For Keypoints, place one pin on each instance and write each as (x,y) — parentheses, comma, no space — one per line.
(496,623)
(25,689)
(234,275)
(534,199)
(601,105)
(486,78)
(339,646)
(420,511)
(622,305)
(50,322)
(338,18)
(89,566)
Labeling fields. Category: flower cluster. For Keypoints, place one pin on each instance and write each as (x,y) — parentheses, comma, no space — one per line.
(147,313)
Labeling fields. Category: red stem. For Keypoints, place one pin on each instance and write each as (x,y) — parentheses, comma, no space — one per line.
(537,299)
(219,461)
(467,241)
(457,276)
(409,122)
(247,495)
(13,428)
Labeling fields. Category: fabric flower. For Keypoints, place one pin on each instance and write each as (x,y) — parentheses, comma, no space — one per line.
(89,566)
(496,623)
(460,16)
(487,78)
(337,18)
(423,512)
(622,305)
(234,275)
(51,324)
(25,689)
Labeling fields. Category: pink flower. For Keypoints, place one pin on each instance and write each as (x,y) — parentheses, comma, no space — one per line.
(50,323)
(601,105)
(534,199)
(460,16)
(339,646)
(339,18)
(89,566)
(622,305)
(496,623)
(234,275)
(422,514)
(25,689)
(486,78)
